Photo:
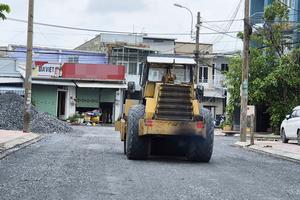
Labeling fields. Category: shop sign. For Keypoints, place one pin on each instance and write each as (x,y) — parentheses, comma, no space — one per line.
(45,69)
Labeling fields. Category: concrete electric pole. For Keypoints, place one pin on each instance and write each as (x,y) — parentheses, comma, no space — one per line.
(245,72)
(197,51)
(28,71)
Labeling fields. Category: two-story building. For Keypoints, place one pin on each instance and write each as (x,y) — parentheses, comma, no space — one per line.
(209,75)
(67,81)
(127,50)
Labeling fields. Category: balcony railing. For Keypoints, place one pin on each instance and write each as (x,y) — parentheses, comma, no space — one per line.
(217,81)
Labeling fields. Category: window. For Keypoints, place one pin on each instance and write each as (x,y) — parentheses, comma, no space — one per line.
(298,113)
(203,74)
(287,2)
(73,59)
(224,67)
(182,74)
(294,114)
(132,68)
(157,40)
(156,74)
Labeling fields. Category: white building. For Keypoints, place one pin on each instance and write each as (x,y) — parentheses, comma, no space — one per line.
(161,45)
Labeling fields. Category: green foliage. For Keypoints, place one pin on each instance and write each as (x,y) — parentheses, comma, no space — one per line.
(233,82)
(74,118)
(275,11)
(274,74)
(4,8)
(226,123)
(240,35)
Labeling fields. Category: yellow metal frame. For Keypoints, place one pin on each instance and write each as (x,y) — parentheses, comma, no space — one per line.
(152,102)
(161,127)
(196,108)
(118,125)
(149,90)
(122,129)
(128,104)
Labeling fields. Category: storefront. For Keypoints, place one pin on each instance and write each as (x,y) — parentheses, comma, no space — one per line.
(102,99)
(54,97)
(64,98)
(65,90)
(66,82)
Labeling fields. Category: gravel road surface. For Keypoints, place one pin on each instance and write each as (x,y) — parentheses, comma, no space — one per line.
(89,164)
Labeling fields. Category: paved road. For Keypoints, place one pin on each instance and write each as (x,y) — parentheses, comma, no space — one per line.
(89,164)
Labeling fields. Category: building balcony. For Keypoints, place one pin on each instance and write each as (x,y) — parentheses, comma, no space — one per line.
(217,81)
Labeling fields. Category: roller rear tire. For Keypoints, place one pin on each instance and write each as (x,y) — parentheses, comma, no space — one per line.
(201,149)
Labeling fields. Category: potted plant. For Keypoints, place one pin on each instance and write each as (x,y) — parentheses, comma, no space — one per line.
(81,119)
(227,126)
(74,119)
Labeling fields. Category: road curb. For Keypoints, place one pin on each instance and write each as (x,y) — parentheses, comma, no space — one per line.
(248,148)
(258,137)
(17,145)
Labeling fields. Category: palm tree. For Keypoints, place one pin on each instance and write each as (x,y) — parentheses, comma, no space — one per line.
(4,8)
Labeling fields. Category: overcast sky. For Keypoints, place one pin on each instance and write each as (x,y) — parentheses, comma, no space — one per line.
(119,15)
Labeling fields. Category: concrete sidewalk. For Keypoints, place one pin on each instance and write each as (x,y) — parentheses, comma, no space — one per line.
(290,151)
(11,139)
(258,136)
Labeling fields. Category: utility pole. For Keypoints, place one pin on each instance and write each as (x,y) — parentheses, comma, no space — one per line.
(28,71)
(245,72)
(197,51)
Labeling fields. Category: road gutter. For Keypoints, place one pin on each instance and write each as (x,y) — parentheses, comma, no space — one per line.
(17,143)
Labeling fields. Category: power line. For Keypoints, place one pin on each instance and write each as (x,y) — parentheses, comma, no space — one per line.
(226,20)
(103,55)
(224,33)
(229,24)
(69,27)
(80,53)
(109,31)
(207,33)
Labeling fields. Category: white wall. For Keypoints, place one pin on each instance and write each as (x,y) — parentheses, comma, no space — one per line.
(218,106)
(70,101)
(115,38)
(161,45)
(118,105)
(135,79)
(219,79)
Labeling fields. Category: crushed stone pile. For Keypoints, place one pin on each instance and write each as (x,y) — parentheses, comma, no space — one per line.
(11,117)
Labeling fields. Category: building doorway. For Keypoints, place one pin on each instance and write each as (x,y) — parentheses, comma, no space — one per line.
(61,104)
(107,113)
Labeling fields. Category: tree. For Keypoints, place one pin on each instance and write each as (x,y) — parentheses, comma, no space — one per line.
(4,9)
(274,76)
(233,82)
